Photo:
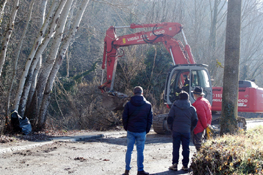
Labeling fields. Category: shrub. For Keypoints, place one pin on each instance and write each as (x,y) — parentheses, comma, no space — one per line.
(231,154)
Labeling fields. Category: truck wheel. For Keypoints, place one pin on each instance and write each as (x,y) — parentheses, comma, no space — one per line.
(160,125)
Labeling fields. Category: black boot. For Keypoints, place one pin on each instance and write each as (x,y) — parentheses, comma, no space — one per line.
(142,173)
(126,172)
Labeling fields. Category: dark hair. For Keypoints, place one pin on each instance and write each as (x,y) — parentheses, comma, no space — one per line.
(183,95)
(138,90)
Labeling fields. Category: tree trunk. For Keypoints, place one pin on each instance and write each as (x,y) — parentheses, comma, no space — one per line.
(8,33)
(32,113)
(32,54)
(43,77)
(70,18)
(2,9)
(38,54)
(231,70)
(58,62)
(33,83)
(39,64)
(18,50)
(212,38)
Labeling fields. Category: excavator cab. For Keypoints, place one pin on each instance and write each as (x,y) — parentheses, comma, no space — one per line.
(186,77)
(182,77)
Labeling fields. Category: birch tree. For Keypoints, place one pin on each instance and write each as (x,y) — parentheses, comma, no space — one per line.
(36,70)
(61,56)
(32,54)
(2,8)
(17,51)
(34,103)
(7,36)
(37,55)
(47,67)
(31,80)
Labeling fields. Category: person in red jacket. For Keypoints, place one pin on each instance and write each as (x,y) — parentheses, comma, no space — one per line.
(204,114)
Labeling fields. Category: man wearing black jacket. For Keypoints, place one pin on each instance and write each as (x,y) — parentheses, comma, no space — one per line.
(182,118)
(137,121)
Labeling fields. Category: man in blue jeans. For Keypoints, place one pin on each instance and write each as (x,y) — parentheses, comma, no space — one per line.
(182,118)
(137,121)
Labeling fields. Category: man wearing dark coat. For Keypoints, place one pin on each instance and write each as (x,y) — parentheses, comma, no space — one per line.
(182,119)
(137,121)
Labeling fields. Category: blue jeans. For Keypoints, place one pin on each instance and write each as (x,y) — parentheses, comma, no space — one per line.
(139,140)
(179,137)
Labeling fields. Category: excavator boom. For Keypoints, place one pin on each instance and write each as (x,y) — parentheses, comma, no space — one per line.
(161,32)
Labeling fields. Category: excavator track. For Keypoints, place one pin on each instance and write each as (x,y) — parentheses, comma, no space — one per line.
(160,125)
(241,123)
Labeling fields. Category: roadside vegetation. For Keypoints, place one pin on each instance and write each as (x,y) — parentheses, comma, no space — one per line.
(231,154)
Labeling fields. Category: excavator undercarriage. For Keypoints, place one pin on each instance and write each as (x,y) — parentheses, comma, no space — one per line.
(160,125)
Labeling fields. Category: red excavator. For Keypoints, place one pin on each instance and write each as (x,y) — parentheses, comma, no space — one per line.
(185,67)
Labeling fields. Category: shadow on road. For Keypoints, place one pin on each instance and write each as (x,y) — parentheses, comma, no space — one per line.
(171,173)
(150,139)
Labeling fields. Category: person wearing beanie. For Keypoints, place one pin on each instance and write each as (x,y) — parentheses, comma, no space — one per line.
(182,119)
(204,114)
(137,121)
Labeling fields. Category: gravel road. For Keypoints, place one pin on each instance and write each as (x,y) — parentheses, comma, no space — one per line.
(80,154)
(90,157)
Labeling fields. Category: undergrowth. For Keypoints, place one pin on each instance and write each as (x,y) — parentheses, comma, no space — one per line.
(231,154)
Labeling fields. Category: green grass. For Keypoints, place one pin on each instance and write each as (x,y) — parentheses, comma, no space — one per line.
(238,154)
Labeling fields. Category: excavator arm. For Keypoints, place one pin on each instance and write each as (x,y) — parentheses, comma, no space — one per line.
(161,32)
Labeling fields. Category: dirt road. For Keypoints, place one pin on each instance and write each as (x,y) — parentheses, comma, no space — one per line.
(90,157)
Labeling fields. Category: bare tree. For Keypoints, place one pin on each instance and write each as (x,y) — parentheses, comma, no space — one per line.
(8,33)
(47,67)
(32,112)
(32,54)
(39,63)
(53,53)
(61,56)
(2,8)
(251,41)
(231,70)
(38,54)
(17,51)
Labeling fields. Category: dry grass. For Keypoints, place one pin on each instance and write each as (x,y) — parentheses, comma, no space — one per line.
(231,154)
(81,109)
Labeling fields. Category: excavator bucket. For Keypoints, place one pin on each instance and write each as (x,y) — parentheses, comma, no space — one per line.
(113,101)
